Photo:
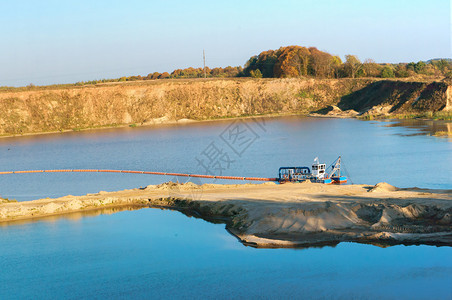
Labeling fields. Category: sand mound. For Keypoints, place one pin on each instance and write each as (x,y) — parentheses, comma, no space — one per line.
(334,111)
(379,110)
(167,186)
(185,120)
(177,186)
(383,187)
(50,208)
(351,112)
(150,187)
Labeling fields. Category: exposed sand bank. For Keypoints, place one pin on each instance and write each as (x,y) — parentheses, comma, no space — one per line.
(61,109)
(289,215)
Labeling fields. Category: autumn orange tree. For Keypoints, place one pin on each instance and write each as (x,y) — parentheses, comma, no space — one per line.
(371,69)
(321,63)
(292,61)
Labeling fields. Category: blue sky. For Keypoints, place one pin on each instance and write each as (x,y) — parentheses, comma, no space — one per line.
(45,42)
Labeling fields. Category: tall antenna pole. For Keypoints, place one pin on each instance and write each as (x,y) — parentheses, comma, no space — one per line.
(204,58)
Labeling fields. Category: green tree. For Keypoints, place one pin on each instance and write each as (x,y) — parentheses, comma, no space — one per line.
(266,63)
(352,65)
(401,71)
(250,65)
(256,73)
(448,77)
(387,72)
(336,64)
(441,65)
(419,67)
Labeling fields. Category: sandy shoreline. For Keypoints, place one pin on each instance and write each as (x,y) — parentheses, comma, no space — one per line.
(154,123)
(289,215)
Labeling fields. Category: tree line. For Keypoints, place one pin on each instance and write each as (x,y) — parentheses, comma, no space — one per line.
(176,74)
(298,61)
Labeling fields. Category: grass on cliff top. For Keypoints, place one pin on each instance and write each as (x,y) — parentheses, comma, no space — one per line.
(151,82)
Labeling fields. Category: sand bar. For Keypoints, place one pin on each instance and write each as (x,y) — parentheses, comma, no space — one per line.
(288,215)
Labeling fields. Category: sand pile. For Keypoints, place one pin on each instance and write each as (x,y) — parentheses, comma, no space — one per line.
(167,186)
(383,187)
(335,112)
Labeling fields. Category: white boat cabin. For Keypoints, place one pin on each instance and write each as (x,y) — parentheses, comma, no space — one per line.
(318,170)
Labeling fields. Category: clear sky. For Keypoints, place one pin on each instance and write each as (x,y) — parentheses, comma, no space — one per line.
(45,42)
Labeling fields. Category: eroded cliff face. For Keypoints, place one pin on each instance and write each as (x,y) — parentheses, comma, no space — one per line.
(395,97)
(150,102)
(448,106)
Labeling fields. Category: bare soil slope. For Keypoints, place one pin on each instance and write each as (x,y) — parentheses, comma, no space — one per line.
(389,96)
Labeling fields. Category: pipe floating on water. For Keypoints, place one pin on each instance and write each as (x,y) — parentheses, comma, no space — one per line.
(140,172)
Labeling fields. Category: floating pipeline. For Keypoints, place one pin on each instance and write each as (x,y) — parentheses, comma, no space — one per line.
(319,173)
(140,172)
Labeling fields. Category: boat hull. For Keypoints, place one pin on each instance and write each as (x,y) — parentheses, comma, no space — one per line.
(339,180)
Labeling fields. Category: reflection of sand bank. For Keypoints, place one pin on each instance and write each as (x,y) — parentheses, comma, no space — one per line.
(449,127)
(425,127)
(289,215)
(74,216)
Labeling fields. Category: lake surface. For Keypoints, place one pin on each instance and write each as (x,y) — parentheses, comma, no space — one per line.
(154,253)
(402,154)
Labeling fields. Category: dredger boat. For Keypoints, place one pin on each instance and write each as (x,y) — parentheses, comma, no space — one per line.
(318,173)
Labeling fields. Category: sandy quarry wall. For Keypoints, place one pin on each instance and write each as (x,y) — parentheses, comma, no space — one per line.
(448,106)
(74,108)
(400,97)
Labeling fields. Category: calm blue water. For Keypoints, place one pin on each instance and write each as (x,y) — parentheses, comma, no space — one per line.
(151,253)
(372,152)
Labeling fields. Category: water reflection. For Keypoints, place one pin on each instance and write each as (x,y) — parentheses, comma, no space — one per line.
(74,216)
(423,127)
(162,254)
(369,150)
(79,217)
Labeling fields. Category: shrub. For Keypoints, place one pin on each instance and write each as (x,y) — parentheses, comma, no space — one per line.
(387,72)
(256,74)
